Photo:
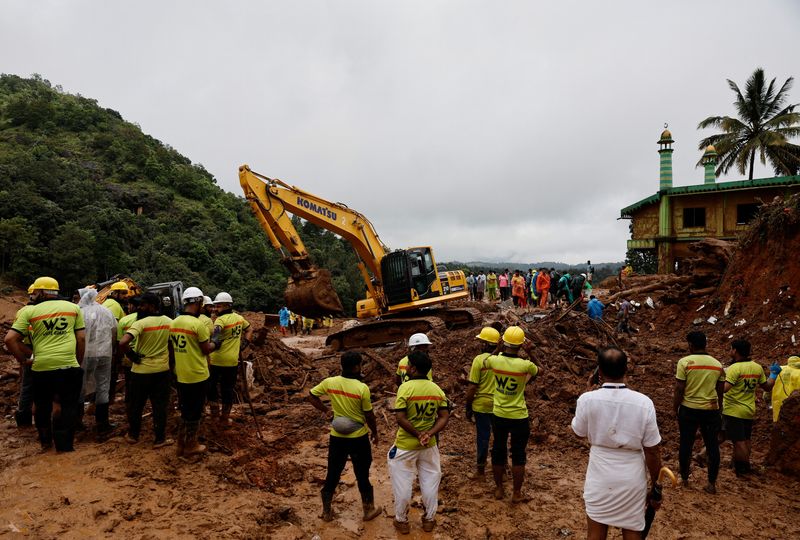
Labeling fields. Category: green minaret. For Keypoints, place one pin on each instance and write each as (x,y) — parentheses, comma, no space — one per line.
(710,164)
(665,153)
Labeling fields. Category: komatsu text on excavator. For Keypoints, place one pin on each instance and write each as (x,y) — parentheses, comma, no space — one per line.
(405,289)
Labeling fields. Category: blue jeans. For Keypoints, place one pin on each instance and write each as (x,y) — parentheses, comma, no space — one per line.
(483,427)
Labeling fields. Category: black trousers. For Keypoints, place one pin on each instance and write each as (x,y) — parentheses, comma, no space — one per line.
(222,382)
(709,422)
(360,453)
(519,430)
(154,387)
(63,386)
(192,398)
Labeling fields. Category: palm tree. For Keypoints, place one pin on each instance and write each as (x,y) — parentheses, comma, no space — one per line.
(764,126)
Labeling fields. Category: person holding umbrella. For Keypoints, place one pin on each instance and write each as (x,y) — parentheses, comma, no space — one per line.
(620,424)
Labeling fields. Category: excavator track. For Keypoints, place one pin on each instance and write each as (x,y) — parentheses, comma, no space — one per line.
(399,327)
(381,332)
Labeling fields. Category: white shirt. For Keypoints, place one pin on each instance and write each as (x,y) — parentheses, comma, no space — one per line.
(614,416)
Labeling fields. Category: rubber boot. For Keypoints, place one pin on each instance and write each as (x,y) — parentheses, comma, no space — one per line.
(213,406)
(479,473)
(23,418)
(79,425)
(45,437)
(498,471)
(368,502)
(225,417)
(181,442)
(103,426)
(518,474)
(62,439)
(327,511)
(192,447)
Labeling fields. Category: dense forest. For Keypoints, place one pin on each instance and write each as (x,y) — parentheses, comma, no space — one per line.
(85,195)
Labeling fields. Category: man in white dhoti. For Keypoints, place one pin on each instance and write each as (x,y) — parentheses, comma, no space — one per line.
(621,427)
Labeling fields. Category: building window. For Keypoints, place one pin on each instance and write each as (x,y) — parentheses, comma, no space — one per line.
(745,213)
(694,217)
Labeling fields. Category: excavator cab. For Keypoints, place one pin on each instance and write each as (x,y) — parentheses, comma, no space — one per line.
(410,275)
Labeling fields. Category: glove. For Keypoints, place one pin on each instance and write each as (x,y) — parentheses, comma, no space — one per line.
(774,370)
(134,356)
(216,337)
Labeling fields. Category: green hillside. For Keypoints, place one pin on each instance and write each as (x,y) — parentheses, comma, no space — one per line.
(85,195)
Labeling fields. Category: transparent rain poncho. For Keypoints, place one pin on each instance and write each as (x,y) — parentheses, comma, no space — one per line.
(101,326)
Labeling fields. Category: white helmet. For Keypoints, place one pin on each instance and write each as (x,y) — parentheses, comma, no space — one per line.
(207,301)
(223,298)
(418,339)
(192,295)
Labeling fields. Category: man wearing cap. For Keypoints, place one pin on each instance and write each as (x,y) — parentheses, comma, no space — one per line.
(235,334)
(511,375)
(150,374)
(421,410)
(417,342)
(190,342)
(57,335)
(480,395)
(351,414)
(207,313)
(119,291)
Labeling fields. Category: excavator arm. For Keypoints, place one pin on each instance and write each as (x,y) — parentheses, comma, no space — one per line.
(310,291)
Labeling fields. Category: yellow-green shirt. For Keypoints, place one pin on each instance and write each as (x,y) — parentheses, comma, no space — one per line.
(232,325)
(207,321)
(701,373)
(349,398)
(186,333)
(740,401)
(115,308)
(786,383)
(122,327)
(27,338)
(151,335)
(510,376)
(402,368)
(482,376)
(51,326)
(421,399)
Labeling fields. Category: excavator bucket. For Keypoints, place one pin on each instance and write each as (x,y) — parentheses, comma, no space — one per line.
(313,295)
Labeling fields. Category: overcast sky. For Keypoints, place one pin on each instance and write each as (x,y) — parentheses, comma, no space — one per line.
(490,130)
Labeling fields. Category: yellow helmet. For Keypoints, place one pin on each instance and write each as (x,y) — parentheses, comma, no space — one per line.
(514,336)
(120,286)
(45,283)
(30,288)
(489,335)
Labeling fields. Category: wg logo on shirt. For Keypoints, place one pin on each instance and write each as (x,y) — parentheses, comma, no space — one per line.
(507,385)
(56,326)
(425,409)
(179,342)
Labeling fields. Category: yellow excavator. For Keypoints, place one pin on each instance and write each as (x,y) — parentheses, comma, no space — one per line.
(405,289)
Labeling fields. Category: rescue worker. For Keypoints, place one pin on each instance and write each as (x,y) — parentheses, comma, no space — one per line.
(352,412)
(697,400)
(480,396)
(543,286)
(207,313)
(563,289)
(491,285)
(119,291)
(23,416)
(190,342)
(518,289)
(235,334)
(150,374)
(101,332)
(421,411)
(417,342)
(57,335)
(739,401)
(119,358)
(788,381)
(595,308)
(511,375)
(308,325)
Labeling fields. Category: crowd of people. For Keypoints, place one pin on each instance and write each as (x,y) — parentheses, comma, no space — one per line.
(68,352)
(538,287)
(620,424)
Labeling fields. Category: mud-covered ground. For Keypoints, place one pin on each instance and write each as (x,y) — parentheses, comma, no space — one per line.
(251,486)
